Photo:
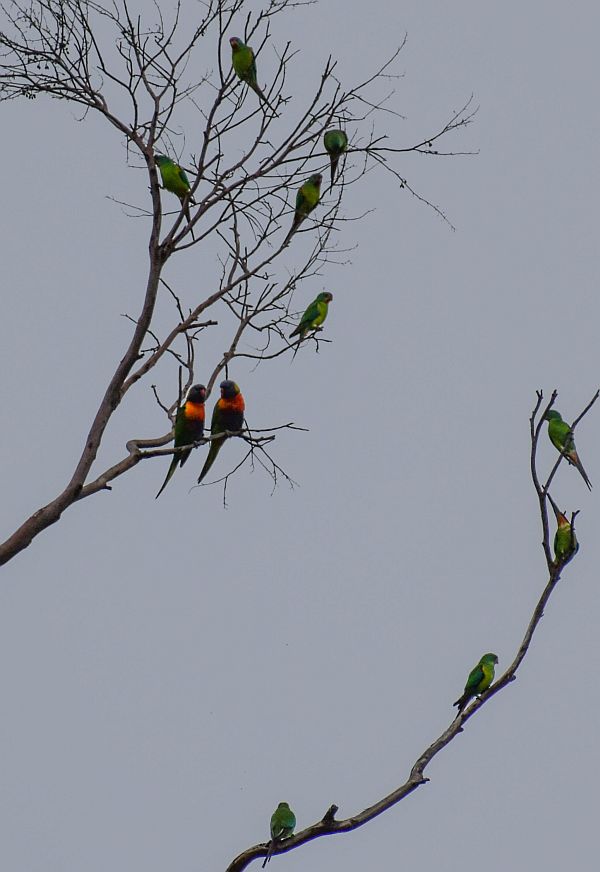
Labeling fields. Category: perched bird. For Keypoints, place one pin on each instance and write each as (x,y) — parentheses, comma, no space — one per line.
(336,143)
(228,414)
(306,200)
(566,545)
(314,315)
(189,427)
(561,436)
(244,65)
(479,680)
(283,821)
(175,180)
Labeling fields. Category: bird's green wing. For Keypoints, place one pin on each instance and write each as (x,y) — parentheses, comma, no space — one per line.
(311,312)
(475,678)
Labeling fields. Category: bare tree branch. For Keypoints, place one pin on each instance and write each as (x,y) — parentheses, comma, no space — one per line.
(328,825)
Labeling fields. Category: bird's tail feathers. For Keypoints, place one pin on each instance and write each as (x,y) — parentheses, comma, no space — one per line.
(169,474)
(269,852)
(215,447)
(574,460)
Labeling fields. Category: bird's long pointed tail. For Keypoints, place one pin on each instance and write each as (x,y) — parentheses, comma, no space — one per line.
(462,701)
(258,91)
(269,852)
(573,458)
(215,447)
(169,474)
(335,159)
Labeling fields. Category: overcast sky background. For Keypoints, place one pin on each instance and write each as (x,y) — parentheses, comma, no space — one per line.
(171,670)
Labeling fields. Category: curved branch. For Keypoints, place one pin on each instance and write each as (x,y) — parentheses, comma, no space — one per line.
(328,825)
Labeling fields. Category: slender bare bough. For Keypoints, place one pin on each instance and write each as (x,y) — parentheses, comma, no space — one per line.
(329,825)
(100,56)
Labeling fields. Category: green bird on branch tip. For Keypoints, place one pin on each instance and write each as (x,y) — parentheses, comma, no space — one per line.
(561,436)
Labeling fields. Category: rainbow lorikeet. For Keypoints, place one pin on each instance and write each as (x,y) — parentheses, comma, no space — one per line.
(175,180)
(566,545)
(283,821)
(479,680)
(561,436)
(228,414)
(336,143)
(244,65)
(307,198)
(314,315)
(189,427)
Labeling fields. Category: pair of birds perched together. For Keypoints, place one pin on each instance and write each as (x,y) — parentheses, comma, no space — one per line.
(174,177)
(227,416)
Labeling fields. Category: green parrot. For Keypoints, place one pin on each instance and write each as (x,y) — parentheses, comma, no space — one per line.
(228,414)
(561,437)
(307,198)
(336,143)
(479,680)
(314,315)
(283,821)
(244,65)
(175,180)
(189,427)
(566,545)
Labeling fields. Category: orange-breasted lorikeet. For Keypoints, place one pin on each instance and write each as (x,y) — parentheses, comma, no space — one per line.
(228,414)
(189,427)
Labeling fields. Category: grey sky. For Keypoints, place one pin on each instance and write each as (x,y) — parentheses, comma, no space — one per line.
(171,670)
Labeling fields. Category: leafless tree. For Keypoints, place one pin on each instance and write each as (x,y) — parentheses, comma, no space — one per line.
(135,72)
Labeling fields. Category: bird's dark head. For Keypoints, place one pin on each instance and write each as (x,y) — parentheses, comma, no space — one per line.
(316,179)
(197,394)
(236,43)
(489,658)
(553,415)
(160,160)
(283,805)
(229,389)
(325,297)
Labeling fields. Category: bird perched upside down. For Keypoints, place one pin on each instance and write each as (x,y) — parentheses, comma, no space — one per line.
(228,414)
(566,545)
